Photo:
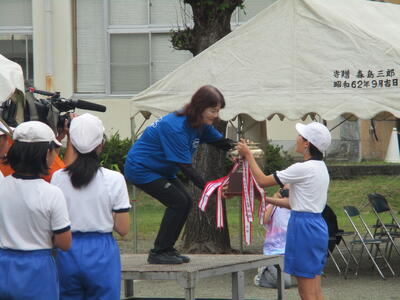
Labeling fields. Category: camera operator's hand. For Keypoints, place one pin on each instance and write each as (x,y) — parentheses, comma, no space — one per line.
(70,155)
(63,132)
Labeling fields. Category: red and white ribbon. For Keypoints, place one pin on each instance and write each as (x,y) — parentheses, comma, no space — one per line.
(209,189)
(248,184)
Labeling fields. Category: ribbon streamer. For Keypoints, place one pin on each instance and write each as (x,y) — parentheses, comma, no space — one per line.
(248,184)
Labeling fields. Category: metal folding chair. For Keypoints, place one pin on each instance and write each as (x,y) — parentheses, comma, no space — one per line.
(339,239)
(364,238)
(384,228)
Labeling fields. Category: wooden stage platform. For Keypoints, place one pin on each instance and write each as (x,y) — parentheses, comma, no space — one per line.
(135,267)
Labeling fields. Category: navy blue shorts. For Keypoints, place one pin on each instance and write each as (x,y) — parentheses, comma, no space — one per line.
(306,244)
(91,269)
(28,275)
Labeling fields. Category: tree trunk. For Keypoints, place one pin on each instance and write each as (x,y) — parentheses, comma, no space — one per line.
(201,234)
(211,22)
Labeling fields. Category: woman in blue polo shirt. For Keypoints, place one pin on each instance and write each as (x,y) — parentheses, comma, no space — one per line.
(165,147)
(307,232)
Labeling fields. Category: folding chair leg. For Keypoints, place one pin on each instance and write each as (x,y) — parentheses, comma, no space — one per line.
(359,260)
(386,261)
(350,256)
(334,262)
(348,250)
(393,244)
(373,260)
(341,254)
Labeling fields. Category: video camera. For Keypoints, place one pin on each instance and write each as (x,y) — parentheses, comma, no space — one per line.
(53,110)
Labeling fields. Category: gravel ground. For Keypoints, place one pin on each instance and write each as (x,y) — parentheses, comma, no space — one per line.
(368,285)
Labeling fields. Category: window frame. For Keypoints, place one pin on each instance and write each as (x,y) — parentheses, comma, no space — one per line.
(109,30)
(21,30)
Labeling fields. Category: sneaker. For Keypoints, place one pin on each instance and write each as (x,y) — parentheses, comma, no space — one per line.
(174,252)
(163,258)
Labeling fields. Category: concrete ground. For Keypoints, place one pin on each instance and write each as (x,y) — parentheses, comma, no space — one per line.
(368,285)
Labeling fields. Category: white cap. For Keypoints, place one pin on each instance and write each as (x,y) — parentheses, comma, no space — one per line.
(3,128)
(86,132)
(316,133)
(33,132)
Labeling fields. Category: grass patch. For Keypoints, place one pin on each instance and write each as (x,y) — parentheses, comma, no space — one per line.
(341,192)
(361,163)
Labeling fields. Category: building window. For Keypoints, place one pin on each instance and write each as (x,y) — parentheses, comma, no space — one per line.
(16,34)
(123,46)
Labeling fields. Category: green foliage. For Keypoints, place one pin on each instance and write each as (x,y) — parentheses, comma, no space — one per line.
(114,152)
(62,152)
(276,159)
(182,38)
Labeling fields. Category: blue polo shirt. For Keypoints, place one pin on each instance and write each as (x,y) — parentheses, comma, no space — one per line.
(169,140)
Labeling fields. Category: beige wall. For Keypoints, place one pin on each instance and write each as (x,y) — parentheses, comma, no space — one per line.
(117,116)
(61,46)
(372,149)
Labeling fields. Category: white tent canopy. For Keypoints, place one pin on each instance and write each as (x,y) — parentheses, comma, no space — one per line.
(294,58)
(11,78)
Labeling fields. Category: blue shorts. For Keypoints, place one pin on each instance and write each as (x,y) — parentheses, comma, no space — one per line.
(306,244)
(28,275)
(91,269)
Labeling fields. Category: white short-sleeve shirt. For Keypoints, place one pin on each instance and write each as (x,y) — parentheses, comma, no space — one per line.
(309,183)
(91,207)
(31,211)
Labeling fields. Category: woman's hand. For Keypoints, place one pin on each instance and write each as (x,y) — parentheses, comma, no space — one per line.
(243,149)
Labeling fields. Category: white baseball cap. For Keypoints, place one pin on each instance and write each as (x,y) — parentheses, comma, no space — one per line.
(316,133)
(86,132)
(33,132)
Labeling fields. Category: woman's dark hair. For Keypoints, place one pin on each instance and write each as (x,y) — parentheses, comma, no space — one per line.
(314,152)
(205,97)
(29,158)
(83,169)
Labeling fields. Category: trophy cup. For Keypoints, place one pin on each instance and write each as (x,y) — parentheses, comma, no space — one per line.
(235,181)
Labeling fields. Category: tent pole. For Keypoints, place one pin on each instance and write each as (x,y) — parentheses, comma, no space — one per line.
(239,134)
(134,227)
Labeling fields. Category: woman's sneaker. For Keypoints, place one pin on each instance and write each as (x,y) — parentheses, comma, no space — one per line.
(184,258)
(163,258)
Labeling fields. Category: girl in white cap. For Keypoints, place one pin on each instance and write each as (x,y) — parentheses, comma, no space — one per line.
(33,217)
(98,203)
(307,233)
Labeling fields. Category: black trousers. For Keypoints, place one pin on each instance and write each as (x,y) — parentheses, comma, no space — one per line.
(174,195)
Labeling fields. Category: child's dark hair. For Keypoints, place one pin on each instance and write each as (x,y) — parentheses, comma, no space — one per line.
(29,158)
(205,97)
(83,169)
(314,152)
